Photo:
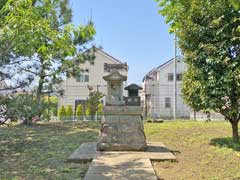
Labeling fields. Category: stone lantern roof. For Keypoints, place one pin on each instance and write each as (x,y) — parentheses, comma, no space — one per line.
(111,67)
(115,76)
(134,87)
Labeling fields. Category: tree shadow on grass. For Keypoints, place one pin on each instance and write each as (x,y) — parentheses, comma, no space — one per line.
(226,142)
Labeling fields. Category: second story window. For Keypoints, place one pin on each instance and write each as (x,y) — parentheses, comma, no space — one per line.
(170,76)
(83,77)
(179,77)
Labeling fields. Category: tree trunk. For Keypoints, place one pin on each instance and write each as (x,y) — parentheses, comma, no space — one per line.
(235,135)
(40,86)
(39,89)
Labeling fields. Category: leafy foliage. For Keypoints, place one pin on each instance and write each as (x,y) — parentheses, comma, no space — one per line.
(22,106)
(61,112)
(51,107)
(93,102)
(79,110)
(100,109)
(69,111)
(38,41)
(209,37)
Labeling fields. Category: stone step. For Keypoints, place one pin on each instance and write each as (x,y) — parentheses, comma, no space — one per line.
(120,168)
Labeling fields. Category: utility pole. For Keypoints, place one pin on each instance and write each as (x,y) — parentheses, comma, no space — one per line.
(175,79)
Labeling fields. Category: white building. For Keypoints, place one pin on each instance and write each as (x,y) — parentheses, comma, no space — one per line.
(76,89)
(158,91)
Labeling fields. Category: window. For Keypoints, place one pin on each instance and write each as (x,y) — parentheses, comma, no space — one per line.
(179,77)
(170,76)
(167,102)
(82,77)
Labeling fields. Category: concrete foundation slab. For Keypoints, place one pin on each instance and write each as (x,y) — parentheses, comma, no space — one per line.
(88,151)
(121,165)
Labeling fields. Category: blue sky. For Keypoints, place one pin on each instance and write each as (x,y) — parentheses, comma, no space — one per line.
(129,30)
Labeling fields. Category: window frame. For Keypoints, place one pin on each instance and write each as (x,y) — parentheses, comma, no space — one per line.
(179,77)
(167,102)
(170,77)
(83,77)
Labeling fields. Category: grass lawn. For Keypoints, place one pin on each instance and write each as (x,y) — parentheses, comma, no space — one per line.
(39,152)
(204,150)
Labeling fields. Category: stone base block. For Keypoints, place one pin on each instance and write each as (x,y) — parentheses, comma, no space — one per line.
(122,130)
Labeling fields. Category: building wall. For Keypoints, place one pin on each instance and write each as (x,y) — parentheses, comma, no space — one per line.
(74,90)
(160,88)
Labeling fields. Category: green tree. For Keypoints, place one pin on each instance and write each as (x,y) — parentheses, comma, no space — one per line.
(79,110)
(88,112)
(93,102)
(38,41)
(209,37)
(69,111)
(51,106)
(100,109)
(22,106)
(61,113)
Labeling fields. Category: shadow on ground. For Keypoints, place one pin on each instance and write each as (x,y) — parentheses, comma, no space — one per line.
(39,151)
(226,142)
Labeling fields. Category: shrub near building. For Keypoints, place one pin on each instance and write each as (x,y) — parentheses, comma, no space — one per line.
(69,112)
(61,113)
(100,109)
(79,112)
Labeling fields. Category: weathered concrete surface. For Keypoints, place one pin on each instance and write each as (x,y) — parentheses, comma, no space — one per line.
(121,165)
(120,168)
(88,151)
(122,129)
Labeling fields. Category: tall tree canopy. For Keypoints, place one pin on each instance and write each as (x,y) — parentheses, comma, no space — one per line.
(39,43)
(209,37)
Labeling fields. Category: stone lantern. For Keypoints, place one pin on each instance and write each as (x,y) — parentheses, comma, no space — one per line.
(121,126)
(133,98)
(115,88)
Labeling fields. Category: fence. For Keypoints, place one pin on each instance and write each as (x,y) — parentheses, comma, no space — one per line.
(76,118)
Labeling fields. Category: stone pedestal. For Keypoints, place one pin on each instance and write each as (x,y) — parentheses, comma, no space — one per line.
(122,129)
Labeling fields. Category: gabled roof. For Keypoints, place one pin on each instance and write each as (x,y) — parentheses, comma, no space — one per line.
(104,53)
(160,67)
(168,62)
(108,55)
(165,63)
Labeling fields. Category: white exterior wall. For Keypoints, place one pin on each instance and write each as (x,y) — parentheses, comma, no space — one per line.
(161,88)
(74,90)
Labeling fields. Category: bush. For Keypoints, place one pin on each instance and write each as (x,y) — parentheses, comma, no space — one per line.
(100,109)
(22,106)
(79,110)
(88,111)
(69,111)
(61,112)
